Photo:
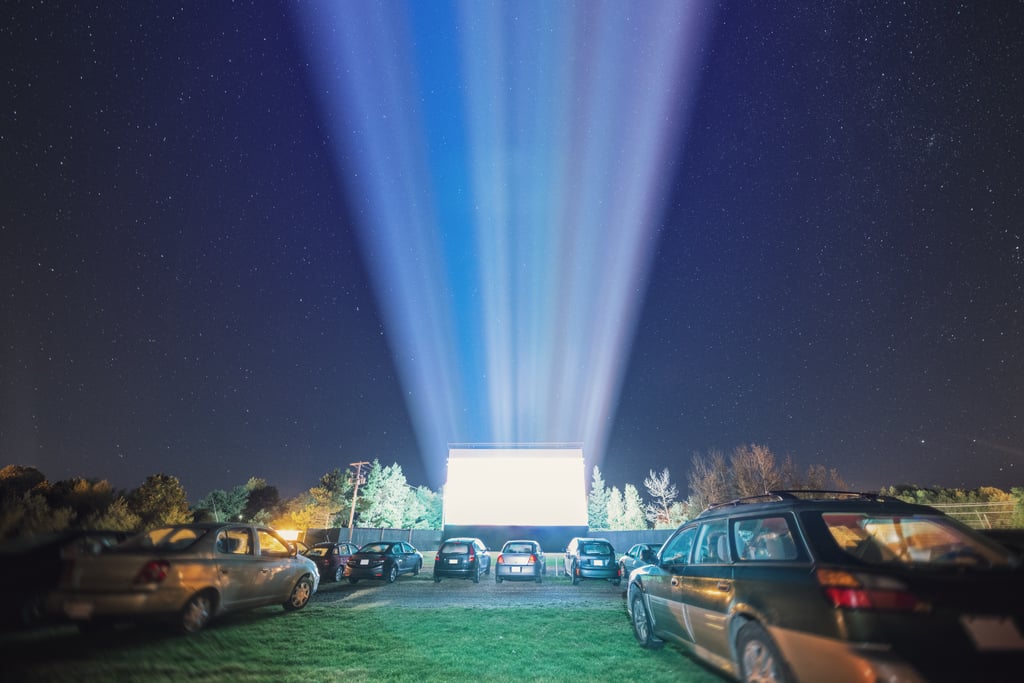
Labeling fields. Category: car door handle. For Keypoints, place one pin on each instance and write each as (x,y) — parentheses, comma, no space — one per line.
(724,586)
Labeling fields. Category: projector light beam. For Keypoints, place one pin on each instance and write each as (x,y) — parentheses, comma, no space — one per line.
(508,164)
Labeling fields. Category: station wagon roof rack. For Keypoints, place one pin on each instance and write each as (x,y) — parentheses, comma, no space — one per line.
(800,494)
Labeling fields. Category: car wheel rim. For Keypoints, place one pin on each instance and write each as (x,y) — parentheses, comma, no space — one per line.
(640,621)
(197,613)
(758,664)
(301,593)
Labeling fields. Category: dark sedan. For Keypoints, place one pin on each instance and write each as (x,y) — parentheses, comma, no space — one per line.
(461,558)
(520,561)
(638,556)
(384,560)
(330,558)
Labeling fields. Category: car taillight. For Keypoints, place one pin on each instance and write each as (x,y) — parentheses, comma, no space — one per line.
(153,571)
(501,559)
(533,559)
(846,590)
(472,554)
(437,558)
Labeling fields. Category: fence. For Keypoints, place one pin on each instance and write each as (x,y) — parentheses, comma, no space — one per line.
(990,515)
(430,539)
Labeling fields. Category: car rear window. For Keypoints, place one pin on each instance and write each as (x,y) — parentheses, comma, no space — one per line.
(914,539)
(455,548)
(595,548)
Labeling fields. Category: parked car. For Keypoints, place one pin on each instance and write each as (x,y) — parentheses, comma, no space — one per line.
(1011,538)
(520,560)
(30,568)
(591,558)
(461,558)
(185,574)
(834,586)
(384,560)
(330,558)
(637,556)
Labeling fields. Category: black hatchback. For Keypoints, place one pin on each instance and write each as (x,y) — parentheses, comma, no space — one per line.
(834,586)
(461,558)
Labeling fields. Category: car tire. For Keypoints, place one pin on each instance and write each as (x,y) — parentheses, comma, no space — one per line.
(195,614)
(539,579)
(392,573)
(759,659)
(643,629)
(417,568)
(574,575)
(497,579)
(476,576)
(339,573)
(353,580)
(616,581)
(301,594)
(437,579)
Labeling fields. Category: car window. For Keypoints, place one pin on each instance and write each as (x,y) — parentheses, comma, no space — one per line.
(765,538)
(316,552)
(677,549)
(712,543)
(595,548)
(375,548)
(911,540)
(234,542)
(271,545)
(455,548)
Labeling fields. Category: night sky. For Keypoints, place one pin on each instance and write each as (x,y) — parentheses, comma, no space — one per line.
(839,271)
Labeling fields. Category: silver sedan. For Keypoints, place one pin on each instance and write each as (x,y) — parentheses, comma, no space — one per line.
(185,574)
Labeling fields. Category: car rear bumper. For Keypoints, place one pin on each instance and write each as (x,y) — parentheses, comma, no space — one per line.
(598,572)
(814,658)
(79,606)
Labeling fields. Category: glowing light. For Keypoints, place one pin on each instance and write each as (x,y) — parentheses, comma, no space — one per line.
(515,486)
(507,164)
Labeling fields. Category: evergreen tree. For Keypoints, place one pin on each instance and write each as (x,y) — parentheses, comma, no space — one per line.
(597,502)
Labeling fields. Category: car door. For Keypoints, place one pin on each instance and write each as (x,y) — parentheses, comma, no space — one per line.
(403,558)
(236,566)
(277,571)
(663,587)
(707,587)
(483,558)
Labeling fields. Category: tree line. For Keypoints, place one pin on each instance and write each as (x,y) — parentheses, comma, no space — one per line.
(30,504)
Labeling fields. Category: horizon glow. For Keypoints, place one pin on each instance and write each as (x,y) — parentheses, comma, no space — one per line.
(507,166)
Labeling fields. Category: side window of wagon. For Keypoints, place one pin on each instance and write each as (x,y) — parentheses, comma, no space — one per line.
(677,549)
(765,538)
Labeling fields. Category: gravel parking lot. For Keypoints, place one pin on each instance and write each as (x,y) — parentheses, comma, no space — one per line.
(421,592)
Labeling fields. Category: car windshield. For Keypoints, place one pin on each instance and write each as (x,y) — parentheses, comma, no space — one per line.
(317,552)
(164,538)
(376,548)
(913,540)
(595,548)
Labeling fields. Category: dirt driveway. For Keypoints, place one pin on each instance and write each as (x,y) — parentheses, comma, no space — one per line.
(421,591)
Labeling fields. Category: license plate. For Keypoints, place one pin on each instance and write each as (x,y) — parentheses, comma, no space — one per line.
(598,563)
(993,633)
(515,570)
(453,561)
(364,562)
(78,610)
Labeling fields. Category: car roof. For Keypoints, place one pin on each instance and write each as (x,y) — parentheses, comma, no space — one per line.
(814,499)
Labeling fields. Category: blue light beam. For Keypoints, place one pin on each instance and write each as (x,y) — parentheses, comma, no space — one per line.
(507,164)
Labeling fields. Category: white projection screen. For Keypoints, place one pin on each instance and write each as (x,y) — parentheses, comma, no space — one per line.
(515,486)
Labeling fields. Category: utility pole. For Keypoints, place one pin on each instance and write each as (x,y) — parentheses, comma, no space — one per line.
(355,494)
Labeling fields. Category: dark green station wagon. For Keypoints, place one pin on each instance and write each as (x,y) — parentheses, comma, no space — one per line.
(834,586)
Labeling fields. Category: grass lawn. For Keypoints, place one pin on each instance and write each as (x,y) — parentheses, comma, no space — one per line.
(329,642)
